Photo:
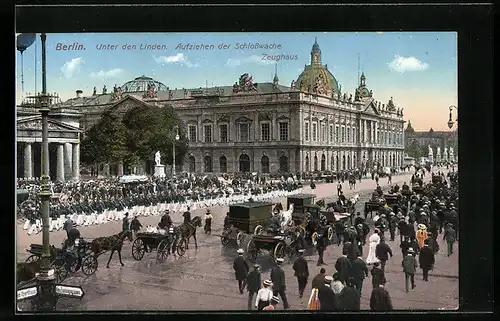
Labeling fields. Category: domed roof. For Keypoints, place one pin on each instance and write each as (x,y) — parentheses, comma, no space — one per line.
(141,84)
(317,79)
(362,91)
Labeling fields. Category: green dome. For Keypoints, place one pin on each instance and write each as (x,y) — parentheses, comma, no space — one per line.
(317,79)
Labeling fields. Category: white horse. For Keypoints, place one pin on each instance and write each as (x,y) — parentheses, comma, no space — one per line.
(286,217)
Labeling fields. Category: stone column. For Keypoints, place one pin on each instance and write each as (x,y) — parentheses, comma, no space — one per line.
(28,166)
(120,168)
(67,161)
(375,134)
(75,162)
(364,131)
(60,163)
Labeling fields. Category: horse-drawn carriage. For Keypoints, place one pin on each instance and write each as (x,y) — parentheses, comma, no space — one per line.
(85,259)
(164,244)
(391,199)
(246,219)
(279,246)
(372,206)
(418,189)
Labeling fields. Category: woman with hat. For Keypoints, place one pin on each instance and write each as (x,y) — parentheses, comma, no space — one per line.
(421,235)
(274,302)
(208,222)
(374,241)
(264,295)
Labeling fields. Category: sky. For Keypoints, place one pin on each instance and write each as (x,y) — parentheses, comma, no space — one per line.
(417,69)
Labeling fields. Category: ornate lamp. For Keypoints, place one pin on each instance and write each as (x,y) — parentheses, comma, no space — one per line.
(450,121)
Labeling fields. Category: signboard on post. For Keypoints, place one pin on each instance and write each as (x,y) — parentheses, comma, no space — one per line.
(69,291)
(27,293)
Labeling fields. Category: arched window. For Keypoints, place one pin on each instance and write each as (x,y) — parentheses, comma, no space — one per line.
(223,164)
(323,163)
(208,164)
(307,169)
(284,164)
(264,164)
(192,164)
(244,163)
(315,163)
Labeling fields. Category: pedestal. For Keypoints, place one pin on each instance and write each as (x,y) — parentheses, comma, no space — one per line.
(160,171)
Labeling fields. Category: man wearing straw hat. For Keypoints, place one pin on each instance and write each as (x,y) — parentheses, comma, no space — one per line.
(264,295)
(240,267)
(278,279)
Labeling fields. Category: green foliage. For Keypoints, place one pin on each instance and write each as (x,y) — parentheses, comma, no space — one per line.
(138,136)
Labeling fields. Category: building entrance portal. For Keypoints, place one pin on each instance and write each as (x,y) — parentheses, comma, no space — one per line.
(244,163)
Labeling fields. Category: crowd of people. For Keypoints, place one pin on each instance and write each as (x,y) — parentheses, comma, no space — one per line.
(418,218)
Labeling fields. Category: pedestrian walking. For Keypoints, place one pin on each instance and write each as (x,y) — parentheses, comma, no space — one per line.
(208,222)
(126,226)
(240,267)
(374,241)
(320,246)
(253,284)
(426,260)
(339,188)
(349,298)
(393,223)
(342,265)
(383,252)
(449,236)
(433,244)
(273,304)
(301,272)
(405,245)
(337,284)
(339,231)
(359,272)
(278,279)
(264,295)
(409,268)
(378,276)
(326,296)
(380,299)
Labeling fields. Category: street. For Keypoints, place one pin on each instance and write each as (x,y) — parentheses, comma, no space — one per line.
(203,279)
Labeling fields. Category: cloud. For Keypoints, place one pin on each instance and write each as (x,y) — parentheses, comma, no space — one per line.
(104,74)
(72,67)
(254,59)
(179,58)
(402,64)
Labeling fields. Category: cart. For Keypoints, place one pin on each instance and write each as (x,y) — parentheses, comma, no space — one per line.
(279,246)
(299,201)
(246,219)
(391,199)
(372,206)
(147,242)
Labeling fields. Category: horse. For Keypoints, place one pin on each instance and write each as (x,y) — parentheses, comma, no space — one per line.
(110,243)
(186,230)
(286,217)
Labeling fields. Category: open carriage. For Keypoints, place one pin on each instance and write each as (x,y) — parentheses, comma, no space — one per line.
(279,246)
(246,219)
(164,244)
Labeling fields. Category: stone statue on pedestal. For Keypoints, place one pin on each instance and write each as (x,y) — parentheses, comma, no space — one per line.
(159,168)
(445,154)
(431,154)
(452,154)
(158,158)
(438,154)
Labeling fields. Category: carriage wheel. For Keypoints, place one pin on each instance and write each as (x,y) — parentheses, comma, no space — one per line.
(89,265)
(162,251)
(138,249)
(279,251)
(252,251)
(32,259)
(313,238)
(330,234)
(259,230)
(181,247)
(240,238)
(75,266)
(59,270)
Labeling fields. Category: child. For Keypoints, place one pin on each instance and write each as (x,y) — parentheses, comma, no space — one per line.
(208,222)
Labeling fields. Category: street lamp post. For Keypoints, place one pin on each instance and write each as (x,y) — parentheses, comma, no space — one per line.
(176,129)
(450,121)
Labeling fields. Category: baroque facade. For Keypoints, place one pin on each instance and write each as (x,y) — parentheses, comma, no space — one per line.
(310,125)
(417,142)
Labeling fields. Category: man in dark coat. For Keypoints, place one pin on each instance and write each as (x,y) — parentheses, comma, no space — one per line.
(433,244)
(382,252)
(393,223)
(378,276)
(253,284)
(240,267)
(326,296)
(426,260)
(349,298)
(319,279)
(342,265)
(135,225)
(402,228)
(301,272)
(165,221)
(359,272)
(278,279)
(409,268)
(449,236)
(339,231)
(380,299)
(187,216)
(320,246)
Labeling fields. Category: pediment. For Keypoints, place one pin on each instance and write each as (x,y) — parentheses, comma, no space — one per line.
(243,119)
(282,118)
(35,123)
(371,108)
(127,103)
(222,118)
(207,120)
(265,117)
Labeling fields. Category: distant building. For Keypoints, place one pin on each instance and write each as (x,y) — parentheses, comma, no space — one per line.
(416,143)
(310,125)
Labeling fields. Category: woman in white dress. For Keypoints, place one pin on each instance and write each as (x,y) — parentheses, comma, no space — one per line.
(374,240)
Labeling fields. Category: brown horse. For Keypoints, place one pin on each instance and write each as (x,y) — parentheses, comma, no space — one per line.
(110,243)
(186,230)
